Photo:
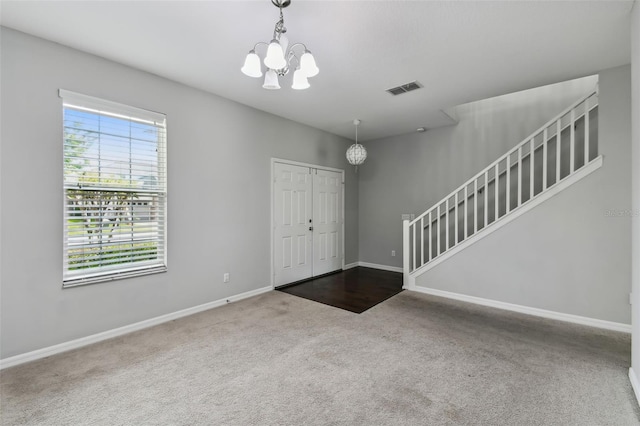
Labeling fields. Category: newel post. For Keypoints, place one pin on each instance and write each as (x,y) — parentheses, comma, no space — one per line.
(405,254)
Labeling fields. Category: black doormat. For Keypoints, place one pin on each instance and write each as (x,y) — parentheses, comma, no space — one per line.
(355,290)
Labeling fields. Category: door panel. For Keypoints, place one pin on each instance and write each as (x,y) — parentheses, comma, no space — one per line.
(327,221)
(292,213)
(307,214)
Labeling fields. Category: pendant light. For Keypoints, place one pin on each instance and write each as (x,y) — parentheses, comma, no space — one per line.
(356,154)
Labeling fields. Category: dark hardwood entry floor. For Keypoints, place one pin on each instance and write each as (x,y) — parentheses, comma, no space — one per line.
(355,290)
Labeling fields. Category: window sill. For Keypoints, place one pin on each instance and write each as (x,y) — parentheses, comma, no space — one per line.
(77,282)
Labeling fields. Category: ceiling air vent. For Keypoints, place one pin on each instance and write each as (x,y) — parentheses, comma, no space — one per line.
(404,88)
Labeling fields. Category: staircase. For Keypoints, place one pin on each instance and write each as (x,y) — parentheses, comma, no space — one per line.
(555,156)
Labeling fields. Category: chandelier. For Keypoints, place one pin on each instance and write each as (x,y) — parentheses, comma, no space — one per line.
(280,57)
(356,154)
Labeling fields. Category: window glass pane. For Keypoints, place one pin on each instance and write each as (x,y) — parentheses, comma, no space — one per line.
(102,151)
(115,193)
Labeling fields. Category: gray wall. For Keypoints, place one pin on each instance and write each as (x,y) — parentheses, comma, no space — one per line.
(219,187)
(635,162)
(566,255)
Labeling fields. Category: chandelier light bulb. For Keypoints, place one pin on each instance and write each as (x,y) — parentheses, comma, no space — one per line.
(275,56)
(252,65)
(308,64)
(300,81)
(271,80)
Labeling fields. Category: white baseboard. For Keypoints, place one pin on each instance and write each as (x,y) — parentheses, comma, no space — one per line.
(408,282)
(350,265)
(576,319)
(94,338)
(381,267)
(634,384)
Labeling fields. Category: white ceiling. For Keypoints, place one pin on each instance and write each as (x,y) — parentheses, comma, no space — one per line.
(461,51)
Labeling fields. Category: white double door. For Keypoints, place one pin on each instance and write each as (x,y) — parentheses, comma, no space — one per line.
(308,217)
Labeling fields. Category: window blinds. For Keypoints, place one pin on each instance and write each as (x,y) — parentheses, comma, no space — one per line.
(114,190)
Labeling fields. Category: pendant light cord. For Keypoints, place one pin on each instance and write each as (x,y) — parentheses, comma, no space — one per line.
(357,134)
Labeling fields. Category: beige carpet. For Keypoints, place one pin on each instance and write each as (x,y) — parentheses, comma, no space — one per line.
(277,359)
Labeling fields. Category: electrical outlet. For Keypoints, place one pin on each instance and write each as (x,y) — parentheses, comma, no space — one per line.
(225,277)
(393,253)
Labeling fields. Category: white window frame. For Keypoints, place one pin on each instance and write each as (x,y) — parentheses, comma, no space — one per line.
(100,273)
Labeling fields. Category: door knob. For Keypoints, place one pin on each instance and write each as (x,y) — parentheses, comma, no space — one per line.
(311,228)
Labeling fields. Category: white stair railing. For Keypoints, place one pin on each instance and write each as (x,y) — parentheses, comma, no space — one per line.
(560,148)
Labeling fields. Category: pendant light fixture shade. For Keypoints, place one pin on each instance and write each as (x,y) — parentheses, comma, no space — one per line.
(281,58)
(308,64)
(252,65)
(300,81)
(271,80)
(284,42)
(356,154)
(275,56)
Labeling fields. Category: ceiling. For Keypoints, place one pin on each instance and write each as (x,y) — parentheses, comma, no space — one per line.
(460,51)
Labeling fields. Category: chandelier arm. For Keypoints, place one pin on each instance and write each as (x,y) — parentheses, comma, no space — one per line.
(297,44)
(290,55)
(259,43)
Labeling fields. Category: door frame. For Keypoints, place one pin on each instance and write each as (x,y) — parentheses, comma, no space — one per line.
(271,216)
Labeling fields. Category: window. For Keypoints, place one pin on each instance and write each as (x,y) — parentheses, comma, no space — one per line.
(114,190)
